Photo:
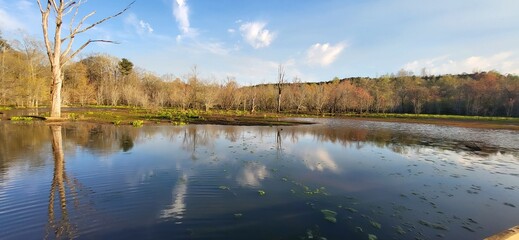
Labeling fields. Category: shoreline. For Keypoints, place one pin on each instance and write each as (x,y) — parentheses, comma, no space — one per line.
(141,116)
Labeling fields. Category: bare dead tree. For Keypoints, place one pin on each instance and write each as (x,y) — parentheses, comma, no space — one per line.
(58,57)
(280,82)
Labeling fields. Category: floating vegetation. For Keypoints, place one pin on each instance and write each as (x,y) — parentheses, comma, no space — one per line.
(313,234)
(372,237)
(238,215)
(261,192)
(329,215)
(468,228)
(353,210)
(399,230)
(358,229)
(284,179)
(224,188)
(375,224)
(509,204)
(436,226)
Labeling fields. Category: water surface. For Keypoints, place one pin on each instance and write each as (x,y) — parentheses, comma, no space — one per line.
(338,179)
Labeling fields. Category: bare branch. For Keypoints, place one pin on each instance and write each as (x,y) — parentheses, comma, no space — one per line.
(45,27)
(104,19)
(73,55)
(41,8)
(69,6)
(54,5)
(74,31)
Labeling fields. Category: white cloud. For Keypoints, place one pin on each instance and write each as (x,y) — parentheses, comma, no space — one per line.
(323,54)
(505,62)
(231,30)
(256,34)
(146,26)
(181,13)
(139,25)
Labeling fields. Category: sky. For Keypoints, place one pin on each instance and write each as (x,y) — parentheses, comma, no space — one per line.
(314,40)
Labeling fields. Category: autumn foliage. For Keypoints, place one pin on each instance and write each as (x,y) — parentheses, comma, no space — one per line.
(106,80)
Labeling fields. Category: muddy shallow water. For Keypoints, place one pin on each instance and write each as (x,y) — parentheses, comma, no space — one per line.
(338,179)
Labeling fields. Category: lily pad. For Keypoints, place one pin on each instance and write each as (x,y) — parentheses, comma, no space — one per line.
(372,237)
(375,224)
(329,215)
(261,192)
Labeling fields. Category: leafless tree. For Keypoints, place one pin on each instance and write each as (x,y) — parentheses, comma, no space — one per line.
(58,56)
(280,82)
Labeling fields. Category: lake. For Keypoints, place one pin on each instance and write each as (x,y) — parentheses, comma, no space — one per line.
(337,179)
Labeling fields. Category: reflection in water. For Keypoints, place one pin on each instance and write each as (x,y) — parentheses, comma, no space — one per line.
(126,142)
(381,175)
(58,219)
(177,208)
(319,160)
(252,174)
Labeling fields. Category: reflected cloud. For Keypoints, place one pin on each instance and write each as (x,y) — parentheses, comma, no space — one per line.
(178,207)
(319,160)
(252,174)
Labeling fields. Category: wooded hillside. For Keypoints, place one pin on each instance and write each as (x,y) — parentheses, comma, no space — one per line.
(102,79)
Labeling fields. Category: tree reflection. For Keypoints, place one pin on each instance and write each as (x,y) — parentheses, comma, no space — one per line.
(59,224)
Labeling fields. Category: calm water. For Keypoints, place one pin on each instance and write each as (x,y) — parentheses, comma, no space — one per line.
(390,180)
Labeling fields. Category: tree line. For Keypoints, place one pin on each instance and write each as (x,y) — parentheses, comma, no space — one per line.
(101,79)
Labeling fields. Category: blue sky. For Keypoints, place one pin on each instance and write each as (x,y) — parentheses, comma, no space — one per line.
(314,40)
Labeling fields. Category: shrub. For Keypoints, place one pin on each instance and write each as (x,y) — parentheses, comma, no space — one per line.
(137,123)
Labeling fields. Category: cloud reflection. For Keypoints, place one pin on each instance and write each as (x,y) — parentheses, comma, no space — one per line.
(319,160)
(252,174)
(178,207)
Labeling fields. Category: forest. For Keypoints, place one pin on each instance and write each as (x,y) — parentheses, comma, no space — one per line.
(101,79)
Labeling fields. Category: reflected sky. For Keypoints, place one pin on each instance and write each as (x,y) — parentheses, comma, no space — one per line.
(144,182)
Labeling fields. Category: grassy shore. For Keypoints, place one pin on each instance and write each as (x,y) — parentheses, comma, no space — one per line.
(122,115)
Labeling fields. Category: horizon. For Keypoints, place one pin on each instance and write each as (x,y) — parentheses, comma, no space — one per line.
(248,40)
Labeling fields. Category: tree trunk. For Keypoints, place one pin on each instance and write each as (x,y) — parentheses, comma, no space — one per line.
(279,100)
(57,83)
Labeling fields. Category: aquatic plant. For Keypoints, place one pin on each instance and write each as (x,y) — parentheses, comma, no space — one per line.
(137,123)
(73,116)
(224,188)
(353,210)
(117,122)
(372,237)
(261,192)
(329,215)
(21,119)
(238,215)
(400,230)
(375,224)
(436,226)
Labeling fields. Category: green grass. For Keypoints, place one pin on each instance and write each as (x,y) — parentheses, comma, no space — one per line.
(137,123)
(4,108)
(21,119)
